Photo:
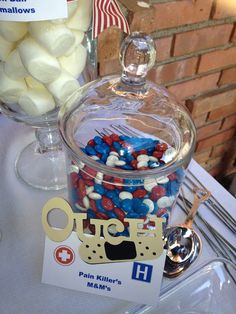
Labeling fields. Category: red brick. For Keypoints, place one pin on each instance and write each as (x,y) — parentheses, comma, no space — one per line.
(171,14)
(202,39)
(202,157)
(173,71)
(194,87)
(208,130)
(206,104)
(222,112)
(109,67)
(221,149)
(215,140)
(233,38)
(228,76)
(163,47)
(217,59)
(229,122)
(224,8)
(200,120)
(109,44)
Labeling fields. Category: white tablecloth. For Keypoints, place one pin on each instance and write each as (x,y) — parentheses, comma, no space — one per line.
(22,244)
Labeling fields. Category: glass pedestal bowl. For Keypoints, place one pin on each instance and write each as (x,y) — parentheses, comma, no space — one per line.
(41,64)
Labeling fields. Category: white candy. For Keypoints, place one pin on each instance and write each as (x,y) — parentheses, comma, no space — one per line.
(114,154)
(10,90)
(120,163)
(162,180)
(81,165)
(56,38)
(110,163)
(79,36)
(141,164)
(63,87)
(152,158)
(36,102)
(150,204)
(165,201)
(112,229)
(149,184)
(13,31)
(75,62)
(143,158)
(5,48)
(89,189)
(86,202)
(95,196)
(74,168)
(125,195)
(112,158)
(38,62)
(80,208)
(169,154)
(81,18)
(99,178)
(94,157)
(14,67)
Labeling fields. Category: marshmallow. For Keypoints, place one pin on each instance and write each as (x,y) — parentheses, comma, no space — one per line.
(56,38)
(14,67)
(5,48)
(13,31)
(33,83)
(81,18)
(71,7)
(10,90)
(38,62)
(75,62)
(63,87)
(36,102)
(79,36)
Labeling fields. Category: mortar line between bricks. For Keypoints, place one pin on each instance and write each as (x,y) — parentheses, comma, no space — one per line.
(196,53)
(197,76)
(191,27)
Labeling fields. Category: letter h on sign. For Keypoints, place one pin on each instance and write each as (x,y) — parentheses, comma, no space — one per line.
(142,272)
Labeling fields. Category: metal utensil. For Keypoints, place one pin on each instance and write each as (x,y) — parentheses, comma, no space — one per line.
(182,242)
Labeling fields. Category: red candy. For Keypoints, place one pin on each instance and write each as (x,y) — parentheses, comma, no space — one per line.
(100,215)
(82,188)
(107,140)
(157,154)
(161,147)
(119,213)
(115,137)
(91,142)
(118,182)
(93,205)
(74,179)
(157,192)
(139,193)
(108,186)
(134,163)
(107,203)
(142,152)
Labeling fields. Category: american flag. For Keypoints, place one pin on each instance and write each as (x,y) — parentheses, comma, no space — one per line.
(107,13)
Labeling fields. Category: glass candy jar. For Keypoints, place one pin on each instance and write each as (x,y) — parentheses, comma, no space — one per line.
(128,142)
(42,62)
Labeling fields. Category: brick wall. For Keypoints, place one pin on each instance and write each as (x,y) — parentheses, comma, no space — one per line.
(196,60)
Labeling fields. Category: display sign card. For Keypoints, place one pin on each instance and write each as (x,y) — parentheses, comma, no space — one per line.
(137,281)
(32,10)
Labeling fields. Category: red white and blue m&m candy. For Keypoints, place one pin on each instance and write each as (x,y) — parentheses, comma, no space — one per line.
(105,197)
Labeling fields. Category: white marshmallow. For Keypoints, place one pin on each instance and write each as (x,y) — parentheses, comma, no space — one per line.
(36,102)
(13,31)
(81,18)
(38,62)
(56,38)
(33,83)
(75,62)
(63,87)
(10,90)
(13,66)
(79,36)
(5,48)
(71,7)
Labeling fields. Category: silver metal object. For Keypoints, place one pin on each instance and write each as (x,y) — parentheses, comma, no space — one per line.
(182,242)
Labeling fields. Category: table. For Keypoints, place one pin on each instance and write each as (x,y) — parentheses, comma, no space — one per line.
(22,244)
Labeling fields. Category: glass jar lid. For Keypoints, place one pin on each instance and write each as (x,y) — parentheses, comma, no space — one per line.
(129,105)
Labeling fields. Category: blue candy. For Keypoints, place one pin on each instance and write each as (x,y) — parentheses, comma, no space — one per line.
(98,188)
(111,214)
(98,140)
(142,209)
(132,215)
(127,205)
(99,206)
(90,150)
(116,201)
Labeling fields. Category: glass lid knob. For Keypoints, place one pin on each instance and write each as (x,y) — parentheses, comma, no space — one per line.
(137,57)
